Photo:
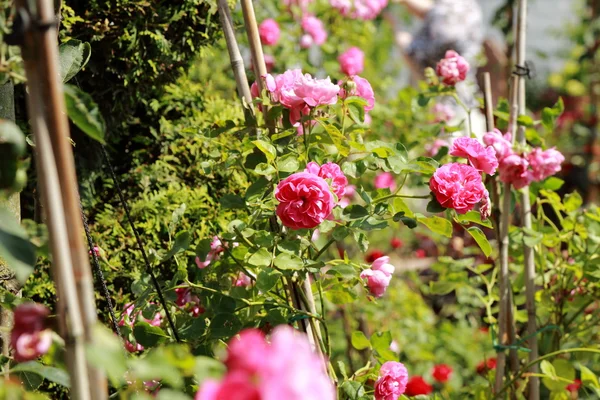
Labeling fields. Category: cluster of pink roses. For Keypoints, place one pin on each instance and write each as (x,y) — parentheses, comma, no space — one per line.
(453,68)
(460,186)
(522,169)
(314,31)
(30,337)
(128,319)
(286,368)
(359,9)
(307,198)
(188,301)
(378,276)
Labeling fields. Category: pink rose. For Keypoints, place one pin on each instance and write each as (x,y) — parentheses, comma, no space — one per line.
(216,248)
(304,200)
(352,61)
(377,281)
(185,298)
(501,143)
(269,32)
(363,89)
(383,264)
(332,173)
(284,90)
(385,180)
(29,337)
(392,381)
(242,280)
(359,9)
(246,352)
(306,41)
(316,92)
(544,163)
(481,158)
(315,28)
(485,208)
(128,318)
(235,385)
(431,149)
(457,186)
(442,112)
(452,68)
(514,169)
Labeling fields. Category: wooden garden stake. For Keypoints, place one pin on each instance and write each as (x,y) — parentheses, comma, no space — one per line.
(237,63)
(47,108)
(534,383)
(258,58)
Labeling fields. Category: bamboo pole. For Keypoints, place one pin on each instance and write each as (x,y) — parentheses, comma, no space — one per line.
(69,315)
(41,48)
(534,384)
(258,58)
(237,63)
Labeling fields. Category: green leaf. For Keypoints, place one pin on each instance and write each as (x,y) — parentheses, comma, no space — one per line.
(400,206)
(84,113)
(434,206)
(288,261)
(15,248)
(72,57)
(442,287)
(356,111)
(588,377)
(437,224)
(262,258)
(552,183)
(473,216)
(169,394)
(288,163)
(381,341)
(409,222)
(267,279)
(339,140)
(481,240)
(558,374)
(182,243)
(340,233)
(572,201)
(224,325)
(265,169)
(360,341)
(12,147)
(267,148)
(353,390)
(106,352)
(52,374)
(525,120)
(550,115)
(148,335)
(232,201)
(193,330)
(355,211)
(340,296)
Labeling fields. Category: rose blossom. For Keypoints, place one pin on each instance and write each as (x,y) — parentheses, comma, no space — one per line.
(359,9)
(392,381)
(501,143)
(452,68)
(331,172)
(316,92)
(304,200)
(481,158)
(185,298)
(352,61)
(486,365)
(29,337)
(128,319)
(362,88)
(574,387)
(242,280)
(457,186)
(514,169)
(314,27)
(416,386)
(258,370)
(269,32)
(378,277)
(442,112)
(396,243)
(544,163)
(442,373)
(385,180)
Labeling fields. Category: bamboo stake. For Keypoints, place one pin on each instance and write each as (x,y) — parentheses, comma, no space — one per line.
(258,58)
(70,323)
(42,48)
(237,63)
(488,102)
(504,302)
(534,384)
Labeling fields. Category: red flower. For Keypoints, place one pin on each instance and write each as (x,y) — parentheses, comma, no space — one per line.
(442,372)
(574,387)
(416,386)
(396,243)
(486,365)
(374,255)
(420,253)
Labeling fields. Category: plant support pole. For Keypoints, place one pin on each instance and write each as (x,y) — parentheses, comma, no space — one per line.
(237,63)
(534,383)
(258,58)
(42,52)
